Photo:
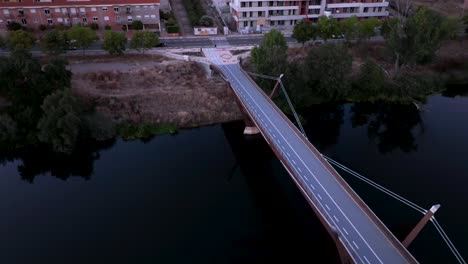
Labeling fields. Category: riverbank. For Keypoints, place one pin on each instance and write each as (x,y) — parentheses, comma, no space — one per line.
(153,89)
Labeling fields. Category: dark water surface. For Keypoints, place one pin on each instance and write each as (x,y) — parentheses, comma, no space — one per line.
(210,195)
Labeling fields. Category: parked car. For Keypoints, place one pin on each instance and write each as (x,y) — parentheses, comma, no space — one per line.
(161,44)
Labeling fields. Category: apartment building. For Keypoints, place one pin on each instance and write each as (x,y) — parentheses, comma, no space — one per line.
(255,15)
(32,13)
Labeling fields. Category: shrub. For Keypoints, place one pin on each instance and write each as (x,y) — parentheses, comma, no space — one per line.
(107,27)
(94,26)
(42,27)
(13,26)
(137,25)
(173,29)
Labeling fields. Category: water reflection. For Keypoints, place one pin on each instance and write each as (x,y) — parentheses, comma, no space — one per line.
(391,126)
(323,123)
(41,160)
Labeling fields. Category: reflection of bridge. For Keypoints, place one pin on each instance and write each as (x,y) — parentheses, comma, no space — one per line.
(359,234)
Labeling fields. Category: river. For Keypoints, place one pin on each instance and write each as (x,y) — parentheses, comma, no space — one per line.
(211,195)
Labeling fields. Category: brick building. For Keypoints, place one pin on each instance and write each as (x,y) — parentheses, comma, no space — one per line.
(281,14)
(32,13)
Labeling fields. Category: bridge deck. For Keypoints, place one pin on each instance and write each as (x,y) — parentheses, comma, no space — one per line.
(366,239)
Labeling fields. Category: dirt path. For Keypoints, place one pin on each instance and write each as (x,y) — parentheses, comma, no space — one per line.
(182,17)
(165,91)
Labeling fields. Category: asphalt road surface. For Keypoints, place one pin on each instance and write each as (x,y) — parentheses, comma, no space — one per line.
(362,238)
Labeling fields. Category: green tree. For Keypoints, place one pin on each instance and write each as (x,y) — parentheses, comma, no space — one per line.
(61,123)
(94,26)
(137,25)
(114,42)
(416,39)
(302,31)
(350,28)
(83,36)
(370,82)
(367,28)
(54,42)
(20,40)
(327,27)
(326,70)
(206,21)
(143,40)
(270,57)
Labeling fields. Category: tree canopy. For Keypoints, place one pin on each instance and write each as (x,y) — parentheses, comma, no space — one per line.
(270,56)
(327,27)
(144,40)
(114,42)
(20,40)
(54,42)
(83,37)
(326,70)
(350,28)
(367,28)
(303,31)
(417,38)
(61,123)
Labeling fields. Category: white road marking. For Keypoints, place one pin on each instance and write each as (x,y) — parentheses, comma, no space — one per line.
(320,197)
(328,208)
(287,153)
(312,186)
(355,244)
(344,229)
(334,216)
(293,161)
(299,169)
(368,262)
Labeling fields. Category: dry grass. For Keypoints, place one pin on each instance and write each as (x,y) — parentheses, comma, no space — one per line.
(166,92)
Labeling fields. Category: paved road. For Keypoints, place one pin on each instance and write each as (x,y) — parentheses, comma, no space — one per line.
(362,237)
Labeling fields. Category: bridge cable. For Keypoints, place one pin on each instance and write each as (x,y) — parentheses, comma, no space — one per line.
(285,95)
(447,240)
(292,108)
(416,207)
(377,186)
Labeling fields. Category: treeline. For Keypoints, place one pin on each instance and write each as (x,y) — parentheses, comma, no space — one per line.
(326,73)
(41,108)
(197,14)
(58,41)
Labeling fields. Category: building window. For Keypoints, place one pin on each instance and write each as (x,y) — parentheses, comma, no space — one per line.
(49,21)
(116,9)
(129,19)
(244,14)
(366,9)
(104,8)
(47,11)
(242,4)
(59,20)
(33,11)
(246,23)
(1,21)
(85,21)
(93,9)
(57,10)
(95,18)
(117,19)
(82,10)
(106,18)
(35,20)
(24,22)
(272,23)
(281,22)
(259,4)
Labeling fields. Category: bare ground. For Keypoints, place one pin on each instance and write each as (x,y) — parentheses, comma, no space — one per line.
(154,89)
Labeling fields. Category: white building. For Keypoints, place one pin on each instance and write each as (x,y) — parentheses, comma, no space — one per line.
(257,15)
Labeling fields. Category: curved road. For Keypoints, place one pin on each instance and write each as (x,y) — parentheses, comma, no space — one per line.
(364,237)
